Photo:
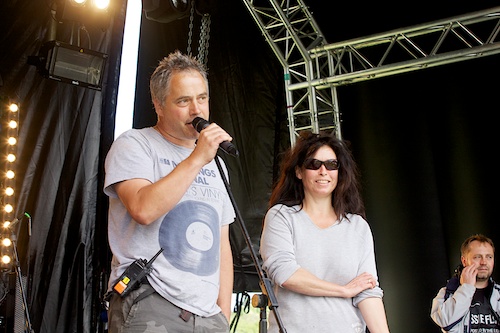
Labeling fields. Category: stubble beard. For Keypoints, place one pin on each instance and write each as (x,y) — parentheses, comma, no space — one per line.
(481,277)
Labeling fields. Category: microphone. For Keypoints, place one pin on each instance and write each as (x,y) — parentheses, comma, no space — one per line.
(199,124)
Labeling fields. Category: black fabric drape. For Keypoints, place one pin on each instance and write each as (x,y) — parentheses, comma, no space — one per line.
(424,142)
(58,169)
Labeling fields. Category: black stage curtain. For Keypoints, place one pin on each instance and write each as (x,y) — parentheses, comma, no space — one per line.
(59,171)
(424,142)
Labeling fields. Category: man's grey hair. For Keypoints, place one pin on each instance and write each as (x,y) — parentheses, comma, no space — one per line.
(159,83)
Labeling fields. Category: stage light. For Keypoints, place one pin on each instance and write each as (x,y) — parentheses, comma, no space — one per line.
(8,208)
(11,119)
(165,11)
(13,107)
(6,259)
(9,191)
(88,12)
(97,4)
(71,64)
(63,60)
(101,4)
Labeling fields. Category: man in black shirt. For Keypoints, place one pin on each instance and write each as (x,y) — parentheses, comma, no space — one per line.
(471,300)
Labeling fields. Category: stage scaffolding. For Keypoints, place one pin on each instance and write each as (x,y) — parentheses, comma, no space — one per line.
(313,68)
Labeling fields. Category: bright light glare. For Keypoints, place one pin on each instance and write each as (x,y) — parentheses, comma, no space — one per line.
(13,107)
(6,259)
(79,2)
(9,191)
(8,208)
(101,4)
(6,242)
(128,69)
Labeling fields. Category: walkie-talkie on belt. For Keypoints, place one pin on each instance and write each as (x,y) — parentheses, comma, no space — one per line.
(134,275)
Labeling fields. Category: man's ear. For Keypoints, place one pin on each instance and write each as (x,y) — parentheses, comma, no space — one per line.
(157,105)
(463,261)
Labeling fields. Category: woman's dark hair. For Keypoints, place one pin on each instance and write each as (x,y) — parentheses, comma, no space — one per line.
(289,190)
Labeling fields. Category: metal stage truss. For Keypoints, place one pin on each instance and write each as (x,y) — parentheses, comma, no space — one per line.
(314,68)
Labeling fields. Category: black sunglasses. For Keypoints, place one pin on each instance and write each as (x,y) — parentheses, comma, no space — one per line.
(314,164)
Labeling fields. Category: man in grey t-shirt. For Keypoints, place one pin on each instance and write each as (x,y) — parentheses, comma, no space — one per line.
(166,192)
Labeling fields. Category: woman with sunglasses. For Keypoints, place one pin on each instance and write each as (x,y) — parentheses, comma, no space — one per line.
(316,245)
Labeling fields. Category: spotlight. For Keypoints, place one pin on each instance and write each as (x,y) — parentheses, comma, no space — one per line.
(88,12)
(9,191)
(12,124)
(14,107)
(101,4)
(6,259)
(8,184)
(71,64)
(165,11)
(8,208)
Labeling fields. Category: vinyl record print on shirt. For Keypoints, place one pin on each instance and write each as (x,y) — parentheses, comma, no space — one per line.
(190,236)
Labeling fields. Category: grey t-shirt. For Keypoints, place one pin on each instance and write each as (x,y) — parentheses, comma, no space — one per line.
(187,271)
(338,254)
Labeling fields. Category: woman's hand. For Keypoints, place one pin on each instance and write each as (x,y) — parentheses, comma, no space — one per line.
(359,283)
